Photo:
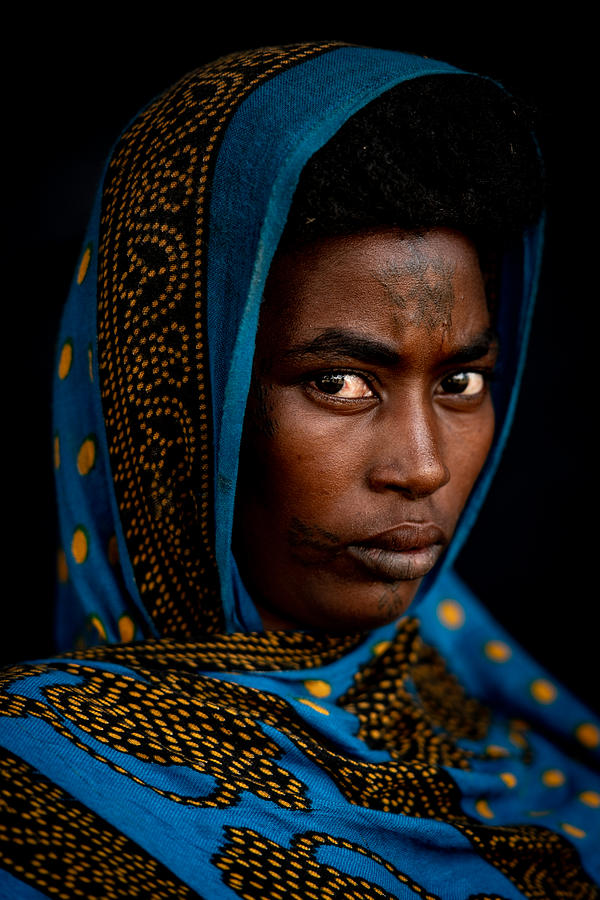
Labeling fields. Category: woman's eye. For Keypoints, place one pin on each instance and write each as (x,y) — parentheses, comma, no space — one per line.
(343,385)
(466,383)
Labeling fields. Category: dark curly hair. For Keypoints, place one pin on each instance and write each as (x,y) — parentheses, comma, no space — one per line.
(444,150)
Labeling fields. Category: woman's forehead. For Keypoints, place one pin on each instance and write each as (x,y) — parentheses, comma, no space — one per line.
(374,280)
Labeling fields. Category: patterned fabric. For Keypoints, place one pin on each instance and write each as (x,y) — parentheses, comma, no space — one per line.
(173,749)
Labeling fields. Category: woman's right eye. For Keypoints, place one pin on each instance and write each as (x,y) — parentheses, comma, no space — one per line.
(342,385)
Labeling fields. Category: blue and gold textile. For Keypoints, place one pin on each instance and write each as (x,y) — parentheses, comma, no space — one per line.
(175,750)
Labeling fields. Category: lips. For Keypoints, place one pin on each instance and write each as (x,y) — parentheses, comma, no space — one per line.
(403,553)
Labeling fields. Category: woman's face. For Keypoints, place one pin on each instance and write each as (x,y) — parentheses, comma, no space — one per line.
(368,421)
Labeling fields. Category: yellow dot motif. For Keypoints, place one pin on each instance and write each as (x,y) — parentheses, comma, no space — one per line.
(317,687)
(65,359)
(553,778)
(495,751)
(484,810)
(96,623)
(62,569)
(573,830)
(84,264)
(79,545)
(86,458)
(90,364)
(451,614)
(315,706)
(588,734)
(509,779)
(497,651)
(56,452)
(543,691)
(516,738)
(126,628)
(519,725)
(590,798)
(380,648)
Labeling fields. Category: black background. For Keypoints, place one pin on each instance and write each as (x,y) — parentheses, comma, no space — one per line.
(69,88)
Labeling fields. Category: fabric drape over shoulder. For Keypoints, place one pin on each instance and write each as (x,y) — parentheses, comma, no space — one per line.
(173,748)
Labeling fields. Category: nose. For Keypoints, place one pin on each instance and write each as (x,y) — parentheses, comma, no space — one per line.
(409,452)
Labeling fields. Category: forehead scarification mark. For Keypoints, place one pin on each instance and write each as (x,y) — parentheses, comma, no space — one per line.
(420,286)
(152,333)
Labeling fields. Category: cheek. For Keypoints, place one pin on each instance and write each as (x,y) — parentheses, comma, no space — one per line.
(306,462)
(304,469)
(472,447)
(487,430)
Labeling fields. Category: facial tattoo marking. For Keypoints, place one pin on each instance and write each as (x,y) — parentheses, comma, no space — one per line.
(430,298)
(390,602)
(312,538)
(314,497)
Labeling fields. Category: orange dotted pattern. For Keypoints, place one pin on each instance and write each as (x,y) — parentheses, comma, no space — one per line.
(403,694)
(165,713)
(50,840)
(270,651)
(278,872)
(152,336)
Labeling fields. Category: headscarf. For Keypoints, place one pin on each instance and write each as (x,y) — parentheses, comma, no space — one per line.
(190,753)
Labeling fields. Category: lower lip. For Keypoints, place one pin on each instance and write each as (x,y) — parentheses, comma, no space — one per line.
(396,565)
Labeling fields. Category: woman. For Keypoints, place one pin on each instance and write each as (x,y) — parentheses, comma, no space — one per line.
(268,496)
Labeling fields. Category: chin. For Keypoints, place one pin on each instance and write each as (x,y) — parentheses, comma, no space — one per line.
(347,609)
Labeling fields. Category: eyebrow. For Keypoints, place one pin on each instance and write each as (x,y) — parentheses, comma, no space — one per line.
(346,343)
(480,345)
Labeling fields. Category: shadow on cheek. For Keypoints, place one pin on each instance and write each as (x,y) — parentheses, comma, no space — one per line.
(260,413)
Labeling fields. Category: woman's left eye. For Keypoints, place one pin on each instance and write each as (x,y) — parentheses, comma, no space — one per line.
(342,385)
(466,383)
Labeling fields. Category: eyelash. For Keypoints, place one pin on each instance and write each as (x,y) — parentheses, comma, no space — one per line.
(310,385)
(487,374)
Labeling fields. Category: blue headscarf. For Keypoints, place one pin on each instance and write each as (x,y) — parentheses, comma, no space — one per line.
(432,758)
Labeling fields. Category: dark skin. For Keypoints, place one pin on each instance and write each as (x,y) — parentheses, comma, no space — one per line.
(368,422)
